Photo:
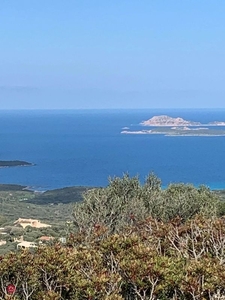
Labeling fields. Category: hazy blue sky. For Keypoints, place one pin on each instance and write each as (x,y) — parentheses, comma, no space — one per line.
(112,54)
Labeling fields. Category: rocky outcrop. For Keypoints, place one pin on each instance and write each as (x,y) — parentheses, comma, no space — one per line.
(164,120)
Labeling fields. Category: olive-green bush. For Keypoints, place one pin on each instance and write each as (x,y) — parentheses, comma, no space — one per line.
(125,201)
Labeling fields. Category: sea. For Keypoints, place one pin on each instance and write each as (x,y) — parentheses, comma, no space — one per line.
(86,147)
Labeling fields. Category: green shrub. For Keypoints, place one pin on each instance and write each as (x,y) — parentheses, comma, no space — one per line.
(125,201)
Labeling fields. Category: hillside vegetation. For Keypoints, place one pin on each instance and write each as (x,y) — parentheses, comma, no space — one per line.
(126,201)
(129,241)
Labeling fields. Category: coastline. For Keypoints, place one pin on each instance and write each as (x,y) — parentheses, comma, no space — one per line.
(15,163)
(40,190)
(189,125)
(145,132)
(198,135)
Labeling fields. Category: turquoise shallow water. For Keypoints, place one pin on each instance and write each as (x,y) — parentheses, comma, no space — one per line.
(85,147)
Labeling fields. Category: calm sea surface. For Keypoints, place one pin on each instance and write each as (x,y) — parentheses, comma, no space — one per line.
(85,147)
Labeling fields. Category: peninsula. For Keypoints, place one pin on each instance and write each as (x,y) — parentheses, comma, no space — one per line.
(14,163)
(169,126)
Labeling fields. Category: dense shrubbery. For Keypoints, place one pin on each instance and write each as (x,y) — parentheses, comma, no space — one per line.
(132,242)
(151,260)
(125,201)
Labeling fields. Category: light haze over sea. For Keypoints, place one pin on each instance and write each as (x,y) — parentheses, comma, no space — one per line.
(85,147)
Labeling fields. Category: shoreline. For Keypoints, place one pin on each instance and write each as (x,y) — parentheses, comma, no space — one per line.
(40,190)
(149,132)
(15,163)
(203,125)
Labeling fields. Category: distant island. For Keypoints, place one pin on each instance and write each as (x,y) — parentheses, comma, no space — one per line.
(14,163)
(165,121)
(169,126)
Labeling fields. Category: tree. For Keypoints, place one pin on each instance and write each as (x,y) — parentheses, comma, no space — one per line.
(125,201)
(115,206)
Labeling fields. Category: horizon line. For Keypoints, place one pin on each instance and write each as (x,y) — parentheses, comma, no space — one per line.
(146,108)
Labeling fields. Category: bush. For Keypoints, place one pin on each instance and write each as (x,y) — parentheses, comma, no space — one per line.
(150,260)
(125,201)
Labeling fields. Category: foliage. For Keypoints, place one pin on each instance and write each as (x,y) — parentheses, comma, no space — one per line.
(3,219)
(125,201)
(149,260)
(129,241)
(64,195)
(12,187)
(186,201)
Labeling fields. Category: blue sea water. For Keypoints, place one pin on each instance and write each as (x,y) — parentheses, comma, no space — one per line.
(85,147)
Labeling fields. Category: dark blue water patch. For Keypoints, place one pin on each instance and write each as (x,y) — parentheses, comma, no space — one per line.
(85,147)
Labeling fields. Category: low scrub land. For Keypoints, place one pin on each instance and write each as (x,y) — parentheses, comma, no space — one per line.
(127,241)
(52,207)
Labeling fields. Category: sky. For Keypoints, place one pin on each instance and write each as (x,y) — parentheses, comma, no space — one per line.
(89,54)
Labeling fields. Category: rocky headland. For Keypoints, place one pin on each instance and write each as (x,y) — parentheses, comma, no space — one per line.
(14,163)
